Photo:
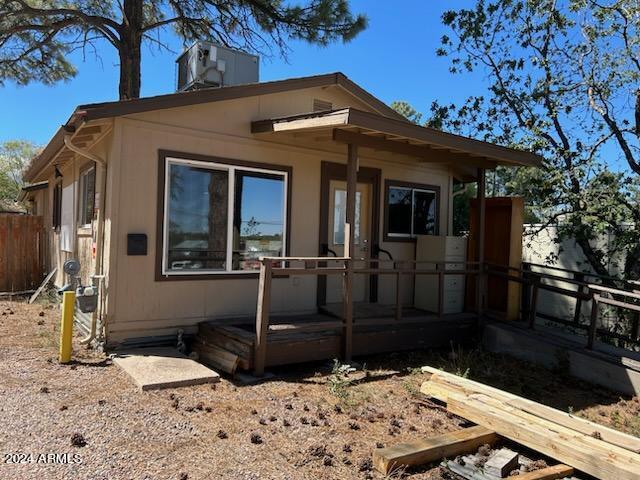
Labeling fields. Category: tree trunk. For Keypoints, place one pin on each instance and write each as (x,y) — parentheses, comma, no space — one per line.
(130,49)
(592,257)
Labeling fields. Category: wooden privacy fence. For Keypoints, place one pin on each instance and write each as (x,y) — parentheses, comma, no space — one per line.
(21,252)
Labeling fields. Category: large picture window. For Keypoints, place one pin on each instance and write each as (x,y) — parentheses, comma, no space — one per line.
(221,218)
(411,210)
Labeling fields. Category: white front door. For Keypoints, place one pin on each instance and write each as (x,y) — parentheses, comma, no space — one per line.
(336,237)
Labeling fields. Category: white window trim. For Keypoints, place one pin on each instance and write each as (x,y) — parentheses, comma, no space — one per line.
(231,170)
(82,180)
(413,192)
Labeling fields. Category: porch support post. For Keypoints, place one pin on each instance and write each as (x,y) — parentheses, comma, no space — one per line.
(262,317)
(349,246)
(481,282)
(352,185)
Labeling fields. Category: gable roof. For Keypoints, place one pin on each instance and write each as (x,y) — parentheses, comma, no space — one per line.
(97,111)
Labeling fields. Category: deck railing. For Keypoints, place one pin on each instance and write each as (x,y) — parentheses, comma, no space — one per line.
(583,288)
(271,267)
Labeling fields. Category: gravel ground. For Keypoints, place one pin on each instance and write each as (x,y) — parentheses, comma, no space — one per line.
(299,426)
(290,428)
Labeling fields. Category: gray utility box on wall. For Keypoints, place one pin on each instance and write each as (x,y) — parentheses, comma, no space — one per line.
(207,64)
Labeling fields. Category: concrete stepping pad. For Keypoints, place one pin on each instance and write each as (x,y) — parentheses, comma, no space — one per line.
(156,368)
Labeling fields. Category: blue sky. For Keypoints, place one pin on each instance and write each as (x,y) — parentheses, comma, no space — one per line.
(394,59)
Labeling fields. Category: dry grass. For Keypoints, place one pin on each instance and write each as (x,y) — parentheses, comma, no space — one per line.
(311,422)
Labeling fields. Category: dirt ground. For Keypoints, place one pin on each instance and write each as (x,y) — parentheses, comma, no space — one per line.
(304,424)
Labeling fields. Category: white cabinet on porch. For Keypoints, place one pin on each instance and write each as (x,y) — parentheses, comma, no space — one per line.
(431,248)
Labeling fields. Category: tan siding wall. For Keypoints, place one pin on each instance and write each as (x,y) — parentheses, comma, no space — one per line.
(139,305)
(83,243)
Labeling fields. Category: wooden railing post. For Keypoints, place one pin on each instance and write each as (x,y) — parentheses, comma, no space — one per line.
(262,316)
(533,309)
(593,322)
(635,326)
(481,280)
(397,266)
(576,314)
(526,290)
(440,267)
(348,310)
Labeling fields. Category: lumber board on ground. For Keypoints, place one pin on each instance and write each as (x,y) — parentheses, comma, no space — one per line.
(582,452)
(432,449)
(464,385)
(588,441)
(442,384)
(44,283)
(578,424)
(549,473)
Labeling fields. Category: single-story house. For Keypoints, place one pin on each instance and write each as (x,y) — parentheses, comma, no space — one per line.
(172,201)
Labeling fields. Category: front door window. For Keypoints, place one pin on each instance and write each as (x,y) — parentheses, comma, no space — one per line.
(336,237)
(340,215)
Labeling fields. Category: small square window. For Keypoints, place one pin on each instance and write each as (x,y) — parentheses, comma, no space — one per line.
(411,210)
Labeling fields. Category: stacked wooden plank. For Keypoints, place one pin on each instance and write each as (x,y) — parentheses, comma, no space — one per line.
(586,446)
(215,356)
(432,449)
(460,451)
(226,348)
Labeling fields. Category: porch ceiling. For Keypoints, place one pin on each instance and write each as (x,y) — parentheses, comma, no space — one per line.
(369,130)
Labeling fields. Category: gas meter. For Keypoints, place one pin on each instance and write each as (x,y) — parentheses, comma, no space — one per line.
(86,296)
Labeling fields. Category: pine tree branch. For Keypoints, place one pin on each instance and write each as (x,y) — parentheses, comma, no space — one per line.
(108,27)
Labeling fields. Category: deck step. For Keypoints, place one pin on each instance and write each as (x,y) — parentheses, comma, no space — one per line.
(213,339)
(216,356)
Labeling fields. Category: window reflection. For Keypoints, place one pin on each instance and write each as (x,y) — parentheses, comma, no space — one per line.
(340,215)
(424,213)
(258,219)
(411,211)
(400,206)
(197,216)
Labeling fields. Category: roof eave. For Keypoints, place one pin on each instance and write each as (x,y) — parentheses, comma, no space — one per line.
(97,111)
(365,120)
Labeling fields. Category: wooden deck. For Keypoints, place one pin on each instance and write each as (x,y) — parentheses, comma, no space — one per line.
(319,336)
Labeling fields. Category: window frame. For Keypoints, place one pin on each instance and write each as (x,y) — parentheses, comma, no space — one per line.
(84,172)
(167,158)
(421,187)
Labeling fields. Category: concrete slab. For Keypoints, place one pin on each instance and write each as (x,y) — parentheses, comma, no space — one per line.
(600,368)
(156,368)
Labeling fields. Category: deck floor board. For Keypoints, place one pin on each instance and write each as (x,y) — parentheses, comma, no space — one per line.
(318,336)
